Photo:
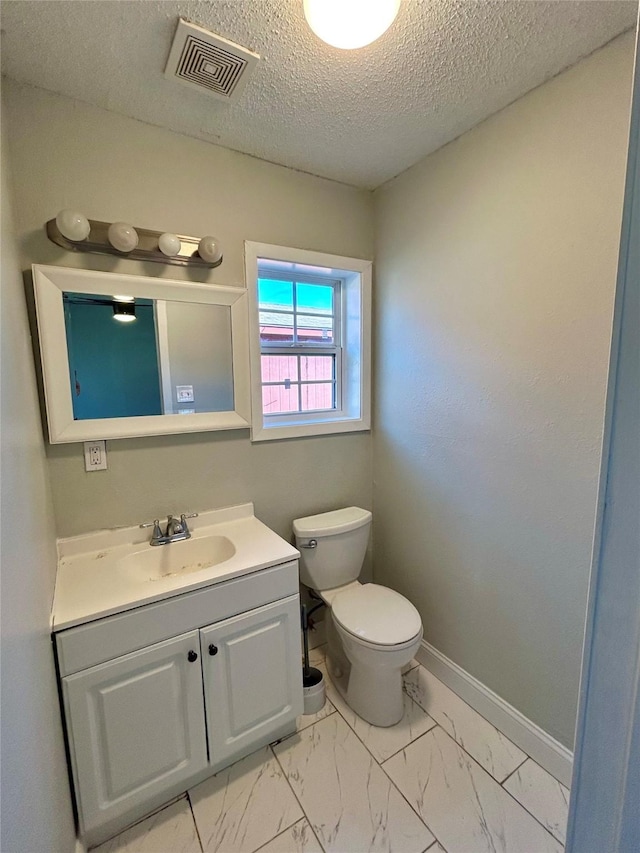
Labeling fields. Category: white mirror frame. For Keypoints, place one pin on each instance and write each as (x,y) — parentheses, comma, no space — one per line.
(49,283)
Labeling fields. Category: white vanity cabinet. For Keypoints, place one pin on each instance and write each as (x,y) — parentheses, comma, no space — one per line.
(251,674)
(159,697)
(137,726)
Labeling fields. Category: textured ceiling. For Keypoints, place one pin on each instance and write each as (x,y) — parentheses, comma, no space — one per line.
(360,117)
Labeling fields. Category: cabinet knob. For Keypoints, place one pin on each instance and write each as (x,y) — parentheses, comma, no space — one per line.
(213,650)
(192,656)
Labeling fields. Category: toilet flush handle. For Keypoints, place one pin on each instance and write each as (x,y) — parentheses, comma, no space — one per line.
(312,543)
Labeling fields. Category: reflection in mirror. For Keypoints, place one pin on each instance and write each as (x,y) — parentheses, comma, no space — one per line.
(135,357)
(129,355)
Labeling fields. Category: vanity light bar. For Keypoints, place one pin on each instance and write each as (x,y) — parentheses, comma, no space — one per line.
(105,238)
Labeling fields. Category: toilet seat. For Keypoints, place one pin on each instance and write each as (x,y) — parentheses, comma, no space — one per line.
(376,616)
(378,647)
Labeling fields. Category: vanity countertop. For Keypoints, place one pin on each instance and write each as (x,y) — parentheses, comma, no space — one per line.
(103,573)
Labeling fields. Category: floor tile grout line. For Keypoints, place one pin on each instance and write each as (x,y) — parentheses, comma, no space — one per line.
(284,829)
(526,757)
(417,737)
(393,785)
(297,799)
(513,797)
(195,822)
(471,708)
(308,726)
(358,736)
(413,809)
(148,816)
(509,775)
(297,731)
(368,748)
(537,819)
(436,724)
(544,770)
(295,823)
(500,732)
(491,776)
(269,749)
(378,764)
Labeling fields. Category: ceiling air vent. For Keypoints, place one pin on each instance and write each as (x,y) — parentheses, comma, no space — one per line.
(209,62)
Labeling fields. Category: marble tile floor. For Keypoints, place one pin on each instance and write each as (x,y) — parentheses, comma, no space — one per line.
(442,780)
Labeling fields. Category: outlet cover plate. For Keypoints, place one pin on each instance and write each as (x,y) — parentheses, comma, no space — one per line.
(95,455)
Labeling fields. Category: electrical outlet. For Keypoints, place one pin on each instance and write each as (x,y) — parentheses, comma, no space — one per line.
(95,456)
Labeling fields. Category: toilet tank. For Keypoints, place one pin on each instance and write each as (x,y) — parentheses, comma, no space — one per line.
(342,536)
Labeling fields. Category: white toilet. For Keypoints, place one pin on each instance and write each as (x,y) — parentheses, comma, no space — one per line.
(372,631)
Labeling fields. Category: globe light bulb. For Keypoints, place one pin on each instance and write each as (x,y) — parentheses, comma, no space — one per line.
(73,225)
(123,236)
(349,24)
(209,249)
(169,244)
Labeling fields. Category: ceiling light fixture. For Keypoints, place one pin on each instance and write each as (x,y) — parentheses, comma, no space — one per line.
(125,312)
(349,24)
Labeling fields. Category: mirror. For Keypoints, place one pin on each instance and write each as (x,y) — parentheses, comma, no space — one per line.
(146,356)
(129,355)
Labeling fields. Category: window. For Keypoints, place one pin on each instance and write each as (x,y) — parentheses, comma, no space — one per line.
(299,328)
(310,348)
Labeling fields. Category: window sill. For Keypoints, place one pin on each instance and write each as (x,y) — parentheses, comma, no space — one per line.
(301,430)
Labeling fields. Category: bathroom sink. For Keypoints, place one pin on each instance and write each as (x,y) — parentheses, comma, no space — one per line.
(113,570)
(177,558)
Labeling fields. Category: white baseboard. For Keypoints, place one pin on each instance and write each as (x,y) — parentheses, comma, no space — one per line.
(548,752)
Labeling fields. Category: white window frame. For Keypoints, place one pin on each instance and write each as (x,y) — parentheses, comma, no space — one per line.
(353,394)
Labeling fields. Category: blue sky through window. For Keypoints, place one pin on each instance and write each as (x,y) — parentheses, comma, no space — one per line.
(274,292)
(311,297)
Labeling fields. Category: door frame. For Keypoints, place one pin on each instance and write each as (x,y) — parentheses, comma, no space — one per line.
(604,814)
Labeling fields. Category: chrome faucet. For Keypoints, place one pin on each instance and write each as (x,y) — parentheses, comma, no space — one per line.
(176,530)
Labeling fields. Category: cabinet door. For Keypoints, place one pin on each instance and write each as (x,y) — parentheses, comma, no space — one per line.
(136,727)
(252,679)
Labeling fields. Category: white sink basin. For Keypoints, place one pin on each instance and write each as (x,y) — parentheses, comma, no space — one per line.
(110,571)
(177,558)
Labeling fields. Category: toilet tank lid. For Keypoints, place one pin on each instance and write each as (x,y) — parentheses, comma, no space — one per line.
(332,523)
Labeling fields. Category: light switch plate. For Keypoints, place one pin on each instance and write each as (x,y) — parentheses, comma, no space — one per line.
(95,455)
(184,393)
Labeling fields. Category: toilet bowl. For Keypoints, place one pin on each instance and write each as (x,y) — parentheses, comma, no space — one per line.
(372,631)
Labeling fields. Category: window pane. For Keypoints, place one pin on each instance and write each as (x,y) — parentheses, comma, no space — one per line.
(276,327)
(277,398)
(314,297)
(317,397)
(319,329)
(278,368)
(275,294)
(316,367)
